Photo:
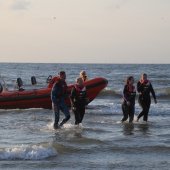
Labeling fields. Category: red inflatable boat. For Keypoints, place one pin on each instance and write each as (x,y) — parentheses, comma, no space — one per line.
(40,98)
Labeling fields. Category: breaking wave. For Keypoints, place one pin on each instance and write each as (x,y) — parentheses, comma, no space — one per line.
(33,152)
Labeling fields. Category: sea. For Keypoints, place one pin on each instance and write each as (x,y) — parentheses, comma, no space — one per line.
(28,140)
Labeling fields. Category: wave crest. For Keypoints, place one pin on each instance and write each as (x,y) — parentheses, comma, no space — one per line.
(27,152)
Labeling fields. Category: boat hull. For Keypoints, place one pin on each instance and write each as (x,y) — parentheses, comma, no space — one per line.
(40,98)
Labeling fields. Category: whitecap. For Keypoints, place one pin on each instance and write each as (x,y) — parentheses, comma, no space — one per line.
(34,152)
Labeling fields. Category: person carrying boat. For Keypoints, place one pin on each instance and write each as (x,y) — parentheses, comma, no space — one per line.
(78,100)
(128,105)
(144,88)
(83,75)
(58,95)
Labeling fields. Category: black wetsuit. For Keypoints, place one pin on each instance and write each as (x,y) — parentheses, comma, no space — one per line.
(144,90)
(78,100)
(129,95)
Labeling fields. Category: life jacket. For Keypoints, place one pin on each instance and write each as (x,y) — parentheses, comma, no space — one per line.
(52,81)
(131,90)
(145,82)
(80,92)
(146,87)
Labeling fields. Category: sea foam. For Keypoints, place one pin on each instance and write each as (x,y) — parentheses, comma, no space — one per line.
(34,152)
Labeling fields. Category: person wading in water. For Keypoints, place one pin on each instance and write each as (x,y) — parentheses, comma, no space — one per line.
(58,95)
(144,88)
(128,105)
(78,100)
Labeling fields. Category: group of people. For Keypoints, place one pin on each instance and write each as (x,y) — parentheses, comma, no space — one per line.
(144,88)
(78,99)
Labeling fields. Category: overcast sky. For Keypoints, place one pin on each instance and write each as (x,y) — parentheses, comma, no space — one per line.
(90,31)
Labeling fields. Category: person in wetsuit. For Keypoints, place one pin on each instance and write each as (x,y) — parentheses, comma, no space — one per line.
(58,95)
(144,88)
(128,105)
(78,100)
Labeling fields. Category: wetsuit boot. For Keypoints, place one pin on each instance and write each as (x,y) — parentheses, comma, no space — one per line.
(56,126)
(64,121)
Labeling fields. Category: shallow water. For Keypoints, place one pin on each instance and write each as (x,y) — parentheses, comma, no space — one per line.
(28,141)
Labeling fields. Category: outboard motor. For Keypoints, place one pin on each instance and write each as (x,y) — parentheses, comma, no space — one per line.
(1,88)
(20,84)
(33,80)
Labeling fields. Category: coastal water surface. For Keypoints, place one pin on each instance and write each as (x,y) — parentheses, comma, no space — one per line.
(28,140)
